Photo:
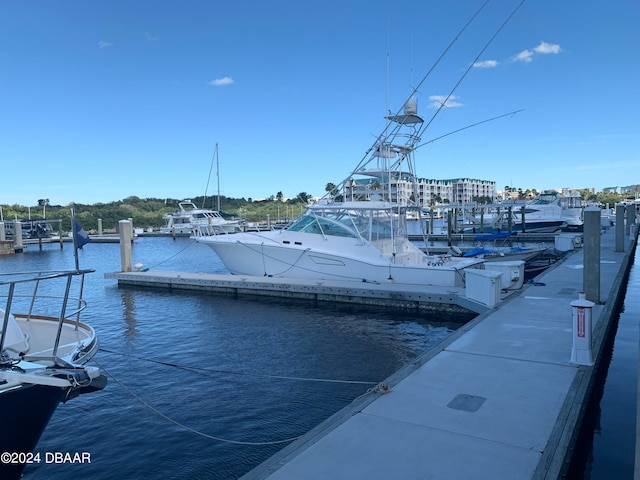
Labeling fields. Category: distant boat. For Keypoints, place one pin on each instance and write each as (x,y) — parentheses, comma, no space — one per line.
(191,218)
(489,248)
(31,228)
(45,349)
(551,210)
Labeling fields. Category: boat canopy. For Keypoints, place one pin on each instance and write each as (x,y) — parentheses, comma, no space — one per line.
(493,236)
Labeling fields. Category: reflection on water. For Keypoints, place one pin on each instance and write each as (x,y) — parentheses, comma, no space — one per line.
(129,313)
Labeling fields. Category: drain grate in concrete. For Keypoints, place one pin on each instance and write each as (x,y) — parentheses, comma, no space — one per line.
(567,291)
(466,402)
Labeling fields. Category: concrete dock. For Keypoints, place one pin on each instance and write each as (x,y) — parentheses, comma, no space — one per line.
(499,399)
(416,297)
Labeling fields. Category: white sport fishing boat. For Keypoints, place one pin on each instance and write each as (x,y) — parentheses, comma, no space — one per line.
(44,350)
(190,218)
(358,232)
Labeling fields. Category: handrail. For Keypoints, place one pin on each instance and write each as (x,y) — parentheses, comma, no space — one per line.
(64,314)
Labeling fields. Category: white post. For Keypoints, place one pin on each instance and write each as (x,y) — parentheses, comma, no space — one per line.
(3,233)
(581,350)
(17,235)
(125,229)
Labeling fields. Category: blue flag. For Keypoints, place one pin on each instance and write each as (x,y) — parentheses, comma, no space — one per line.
(82,237)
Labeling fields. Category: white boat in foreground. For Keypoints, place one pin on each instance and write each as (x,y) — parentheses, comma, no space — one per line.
(44,351)
(358,233)
(361,241)
(190,218)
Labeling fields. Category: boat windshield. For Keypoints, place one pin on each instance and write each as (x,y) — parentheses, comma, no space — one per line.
(368,224)
(543,200)
(322,226)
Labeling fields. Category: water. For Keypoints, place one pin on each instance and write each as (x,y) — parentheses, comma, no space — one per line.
(608,439)
(178,359)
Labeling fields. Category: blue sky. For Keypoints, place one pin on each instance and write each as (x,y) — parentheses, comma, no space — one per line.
(101,100)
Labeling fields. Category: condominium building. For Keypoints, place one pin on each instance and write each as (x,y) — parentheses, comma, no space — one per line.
(430,191)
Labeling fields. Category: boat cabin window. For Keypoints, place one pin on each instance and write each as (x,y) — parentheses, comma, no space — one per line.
(321,225)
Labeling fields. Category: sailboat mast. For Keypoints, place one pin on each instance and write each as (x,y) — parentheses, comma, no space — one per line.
(206,190)
(218,176)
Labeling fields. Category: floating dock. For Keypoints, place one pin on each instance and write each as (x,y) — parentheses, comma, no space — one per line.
(499,399)
(416,297)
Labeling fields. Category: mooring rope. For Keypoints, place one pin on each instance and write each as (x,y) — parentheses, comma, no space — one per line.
(378,388)
(186,427)
(230,372)
(189,245)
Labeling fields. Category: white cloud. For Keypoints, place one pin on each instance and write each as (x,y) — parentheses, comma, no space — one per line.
(221,82)
(524,56)
(486,64)
(545,48)
(102,44)
(149,37)
(438,100)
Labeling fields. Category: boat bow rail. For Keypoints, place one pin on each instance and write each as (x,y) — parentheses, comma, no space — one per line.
(57,340)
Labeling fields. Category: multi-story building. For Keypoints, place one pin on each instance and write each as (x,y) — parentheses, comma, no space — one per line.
(467,190)
(460,191)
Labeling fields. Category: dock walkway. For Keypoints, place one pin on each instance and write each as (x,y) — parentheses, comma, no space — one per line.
(416,297)
(499,399)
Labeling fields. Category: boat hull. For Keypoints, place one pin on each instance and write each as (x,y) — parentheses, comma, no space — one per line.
(25,412)
(298,257)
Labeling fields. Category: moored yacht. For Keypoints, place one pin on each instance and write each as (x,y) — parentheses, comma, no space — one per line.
(358,232)
(190,218)
(44,350)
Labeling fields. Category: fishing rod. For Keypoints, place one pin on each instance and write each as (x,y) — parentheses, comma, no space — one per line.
(469,126)
(382,142)
(415,89)
(462,77)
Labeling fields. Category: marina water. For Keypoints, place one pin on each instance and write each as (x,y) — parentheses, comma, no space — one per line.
(191,373)
(209,386)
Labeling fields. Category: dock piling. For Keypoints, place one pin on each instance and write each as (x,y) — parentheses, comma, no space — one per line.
(126,233)
(18,245)
(591,245)
(619,228)
(631,218)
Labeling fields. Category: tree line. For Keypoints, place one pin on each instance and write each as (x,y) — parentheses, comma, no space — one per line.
(150,212)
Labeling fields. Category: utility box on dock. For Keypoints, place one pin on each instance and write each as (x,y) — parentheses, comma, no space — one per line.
(483,286)
(512,273)
(568,242)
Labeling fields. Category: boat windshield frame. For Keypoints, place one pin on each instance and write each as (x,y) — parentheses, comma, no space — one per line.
(367,221)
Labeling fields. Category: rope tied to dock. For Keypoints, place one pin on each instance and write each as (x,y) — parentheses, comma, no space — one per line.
(378,387)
